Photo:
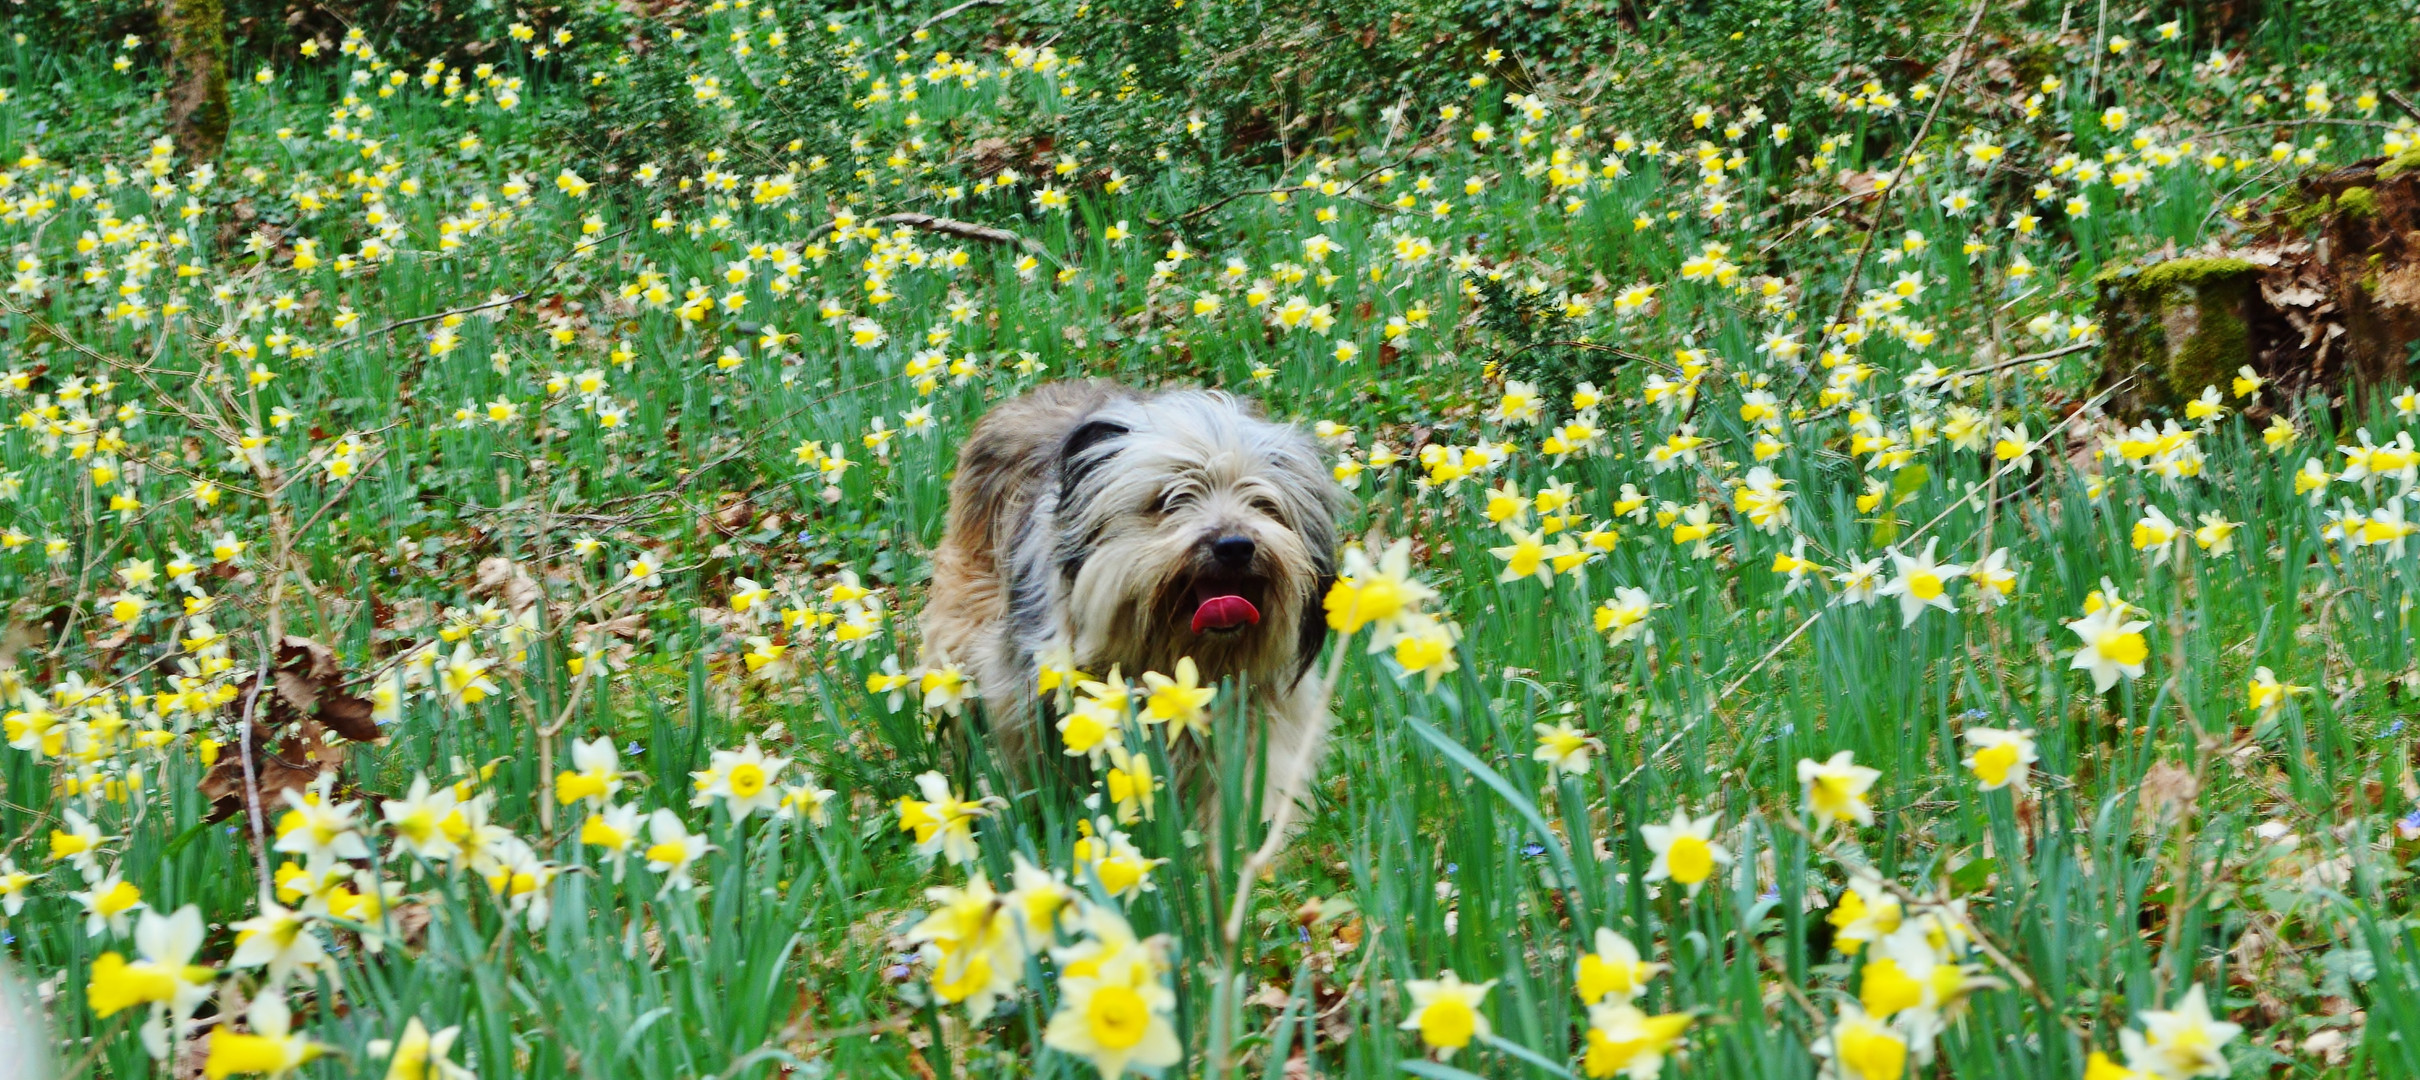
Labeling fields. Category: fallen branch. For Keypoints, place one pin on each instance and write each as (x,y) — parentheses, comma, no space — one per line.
(2403,103)
(966,230)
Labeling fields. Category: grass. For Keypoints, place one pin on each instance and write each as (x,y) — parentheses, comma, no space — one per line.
(2173,834)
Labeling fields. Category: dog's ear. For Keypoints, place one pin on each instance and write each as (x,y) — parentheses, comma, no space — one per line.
(1075,463)
(1314,632)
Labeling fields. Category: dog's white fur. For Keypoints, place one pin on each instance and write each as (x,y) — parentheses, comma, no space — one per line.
(1081,519)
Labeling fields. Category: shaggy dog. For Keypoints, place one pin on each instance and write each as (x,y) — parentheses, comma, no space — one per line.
(1131,530)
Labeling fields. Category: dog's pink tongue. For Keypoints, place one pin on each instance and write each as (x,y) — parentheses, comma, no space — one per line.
(1222,612)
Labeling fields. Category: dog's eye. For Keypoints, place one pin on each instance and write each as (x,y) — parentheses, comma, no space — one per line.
(1171,501)
(1265,505)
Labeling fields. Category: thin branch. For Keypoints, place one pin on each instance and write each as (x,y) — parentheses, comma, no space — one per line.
(501,301)
(359,471)
(929,23)
(2294,121)
(1590,346)
(2019,361)
(580,247)
(967,230)
(1734,685)
(244,739)
(1910,899)
(2403,103)
(1811,219)
(1958,66)
(1346,191)
(1727,691)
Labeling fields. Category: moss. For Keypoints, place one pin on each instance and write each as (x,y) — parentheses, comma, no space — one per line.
(2183,318)
(2404,162)
(2219,341)
(197,75)
(2303,216)
(2190,273)
(2357,202)
(2286,205)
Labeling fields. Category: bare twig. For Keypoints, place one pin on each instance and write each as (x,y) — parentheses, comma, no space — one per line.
(243,748)
(1734,685)
(1949,82)
(1854,196)
(966,230)
(547,734)
(2020,361)
(800,1031)
(359,471)
(2294,121)
(1215,204)
(928,24)
(1590,346)
(2403,103)
(1649,759)
(1345,192)
(578,248)
(2100,49)
(1909,898)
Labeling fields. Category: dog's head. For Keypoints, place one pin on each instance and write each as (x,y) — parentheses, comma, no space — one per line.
(1191,526)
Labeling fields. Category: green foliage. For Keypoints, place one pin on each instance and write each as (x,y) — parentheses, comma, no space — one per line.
(792,425)
(2366,38)
(2189,273)
(647,116)
(2399,164)
(1522,342)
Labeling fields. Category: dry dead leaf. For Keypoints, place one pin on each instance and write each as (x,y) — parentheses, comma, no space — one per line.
(2167,792)
(505,579)
(308,717)
(310,685)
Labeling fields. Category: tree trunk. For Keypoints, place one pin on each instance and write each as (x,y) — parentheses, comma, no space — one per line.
(197,76)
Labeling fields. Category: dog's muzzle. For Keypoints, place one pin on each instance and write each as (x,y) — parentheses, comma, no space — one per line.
(1224,595)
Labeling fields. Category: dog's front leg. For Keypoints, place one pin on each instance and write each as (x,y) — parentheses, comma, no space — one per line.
(1298,739)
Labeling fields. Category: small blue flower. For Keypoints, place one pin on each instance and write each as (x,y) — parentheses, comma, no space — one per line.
(1451,867)
(635,749)
(2395,728)
(1533,850)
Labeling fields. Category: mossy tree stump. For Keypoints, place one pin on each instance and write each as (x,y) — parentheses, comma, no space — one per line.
(2176,327)
(198,116)
(2369,247)
(2326,299)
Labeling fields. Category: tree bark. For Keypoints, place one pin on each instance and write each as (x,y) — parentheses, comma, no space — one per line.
(197,76)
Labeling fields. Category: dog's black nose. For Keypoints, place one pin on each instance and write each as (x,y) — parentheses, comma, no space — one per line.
(1233,552)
